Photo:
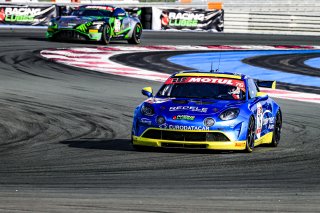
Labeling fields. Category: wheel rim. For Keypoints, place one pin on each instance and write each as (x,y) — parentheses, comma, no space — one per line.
(138,32)
(106,34)
(250,138)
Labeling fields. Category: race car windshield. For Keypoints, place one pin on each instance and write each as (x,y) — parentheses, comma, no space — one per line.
(202,90)
(91,12)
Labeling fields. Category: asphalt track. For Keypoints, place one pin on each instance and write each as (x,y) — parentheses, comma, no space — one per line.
(64,142)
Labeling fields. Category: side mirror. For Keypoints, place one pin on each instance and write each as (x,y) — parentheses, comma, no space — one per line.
(267,84)
(261,94)
(147,91)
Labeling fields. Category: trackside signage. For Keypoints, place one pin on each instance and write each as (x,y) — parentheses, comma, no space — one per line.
(227,81)
(192,19)
(27,15)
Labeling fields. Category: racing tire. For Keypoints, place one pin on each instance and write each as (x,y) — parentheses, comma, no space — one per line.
(277,130)
(250,136)
(106,34)
(136,35)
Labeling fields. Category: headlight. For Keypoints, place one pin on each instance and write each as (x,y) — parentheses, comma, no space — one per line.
(97,23)
(147,110)
(51,23)
(161,120)
(229,114)
(208,122)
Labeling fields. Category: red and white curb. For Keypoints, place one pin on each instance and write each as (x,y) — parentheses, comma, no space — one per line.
(98,59)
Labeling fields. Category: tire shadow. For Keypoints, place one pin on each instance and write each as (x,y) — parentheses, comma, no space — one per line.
(104,144)
(75,41)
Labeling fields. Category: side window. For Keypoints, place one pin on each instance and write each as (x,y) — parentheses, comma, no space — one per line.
(253,89)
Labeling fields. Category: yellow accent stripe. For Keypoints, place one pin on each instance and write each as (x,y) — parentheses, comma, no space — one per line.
(221,145)
(227,145)
(208,75)
(267,138)
(93,31)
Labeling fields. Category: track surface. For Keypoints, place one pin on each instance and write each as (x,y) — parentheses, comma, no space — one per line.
(64,143)
(157,61)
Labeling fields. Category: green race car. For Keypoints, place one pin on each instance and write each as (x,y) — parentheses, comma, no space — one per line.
(96,23)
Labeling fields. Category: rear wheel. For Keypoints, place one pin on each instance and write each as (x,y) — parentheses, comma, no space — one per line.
(106,34)
(136,35)
(277,130)
(250,136)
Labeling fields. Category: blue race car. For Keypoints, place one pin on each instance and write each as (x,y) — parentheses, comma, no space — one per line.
(219,111)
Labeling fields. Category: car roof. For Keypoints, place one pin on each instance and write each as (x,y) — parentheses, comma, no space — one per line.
(210,74)
(96,5)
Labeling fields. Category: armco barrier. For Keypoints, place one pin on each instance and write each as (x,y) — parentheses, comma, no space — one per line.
(272,23)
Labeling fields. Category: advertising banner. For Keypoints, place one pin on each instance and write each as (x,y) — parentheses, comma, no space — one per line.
(190,19)
(27,15)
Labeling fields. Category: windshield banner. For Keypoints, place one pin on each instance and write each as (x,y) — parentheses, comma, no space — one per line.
(27,15)
(191,19)
(226,81)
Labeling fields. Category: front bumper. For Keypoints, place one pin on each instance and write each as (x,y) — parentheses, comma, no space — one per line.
(72,34)
(183,143)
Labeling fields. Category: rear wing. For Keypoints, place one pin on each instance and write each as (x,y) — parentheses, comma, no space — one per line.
(267,84)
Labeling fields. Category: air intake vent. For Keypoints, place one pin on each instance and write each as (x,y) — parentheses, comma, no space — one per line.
(185,136)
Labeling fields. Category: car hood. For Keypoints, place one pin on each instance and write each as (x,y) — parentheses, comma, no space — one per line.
(71,21)
(172,106)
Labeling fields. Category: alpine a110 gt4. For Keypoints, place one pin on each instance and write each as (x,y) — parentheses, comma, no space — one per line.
(97,23)
(219,111)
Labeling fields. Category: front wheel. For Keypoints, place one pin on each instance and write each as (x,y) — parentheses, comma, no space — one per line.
(277,130)
(250,136)
(136,35)
(106,34)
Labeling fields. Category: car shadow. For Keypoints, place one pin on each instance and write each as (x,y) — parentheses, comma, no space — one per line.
(125,145)
(74,41)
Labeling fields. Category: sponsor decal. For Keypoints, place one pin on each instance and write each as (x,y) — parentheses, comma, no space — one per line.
(16,14)
(259,120)
(226,81)
(269,122)
(84,27)
(184,117)
(117,25)
(181,127)
(145,121)
(188,108)
(21,14)
(184,19)
(240,144)
(192,19)
(100,8)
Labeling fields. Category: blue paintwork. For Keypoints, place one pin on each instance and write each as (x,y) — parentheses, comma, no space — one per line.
(315,62)
(236,129)
(232,61)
